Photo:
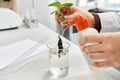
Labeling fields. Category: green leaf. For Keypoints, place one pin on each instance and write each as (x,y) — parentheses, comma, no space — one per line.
(56,4)
(67,4)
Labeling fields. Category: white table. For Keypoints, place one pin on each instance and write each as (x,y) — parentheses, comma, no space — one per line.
(38,68)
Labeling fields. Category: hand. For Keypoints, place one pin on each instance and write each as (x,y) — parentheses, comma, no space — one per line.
(108,48)
(71,12)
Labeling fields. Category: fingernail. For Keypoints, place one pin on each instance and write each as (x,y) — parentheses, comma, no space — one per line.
(88,54)
(81,42)
(86,49)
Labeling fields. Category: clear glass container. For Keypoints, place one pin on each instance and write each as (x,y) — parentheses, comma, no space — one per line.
(58,59)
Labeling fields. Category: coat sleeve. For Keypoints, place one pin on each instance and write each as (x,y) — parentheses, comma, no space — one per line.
(110,22)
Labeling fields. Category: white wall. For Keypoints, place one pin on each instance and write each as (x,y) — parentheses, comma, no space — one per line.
(41,7)
(42,10)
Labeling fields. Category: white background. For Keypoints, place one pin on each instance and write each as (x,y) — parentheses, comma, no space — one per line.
(41,7)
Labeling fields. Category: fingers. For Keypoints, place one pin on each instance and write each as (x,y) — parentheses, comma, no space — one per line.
(69,18)
(93,48)
(66,21)
(98,55)
(68,13)
(91,39)
(66,10)
(106,63)
(109,60)
(57,18)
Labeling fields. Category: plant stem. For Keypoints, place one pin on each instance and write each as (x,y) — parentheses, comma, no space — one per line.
(58,26)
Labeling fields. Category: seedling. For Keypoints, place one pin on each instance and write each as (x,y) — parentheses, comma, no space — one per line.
(58,6)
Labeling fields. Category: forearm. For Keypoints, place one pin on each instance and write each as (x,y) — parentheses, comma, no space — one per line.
(107,22)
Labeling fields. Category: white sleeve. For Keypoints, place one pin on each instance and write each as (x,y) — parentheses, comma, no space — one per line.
(110,22)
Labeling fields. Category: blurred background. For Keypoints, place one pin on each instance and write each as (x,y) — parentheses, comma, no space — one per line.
(39,11)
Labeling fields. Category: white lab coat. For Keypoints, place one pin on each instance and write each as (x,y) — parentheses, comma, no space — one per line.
(110,22)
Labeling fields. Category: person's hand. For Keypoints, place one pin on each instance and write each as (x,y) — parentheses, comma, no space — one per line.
(108,48)
(71,12)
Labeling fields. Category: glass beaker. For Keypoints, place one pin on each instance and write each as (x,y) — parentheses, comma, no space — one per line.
(58,59)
